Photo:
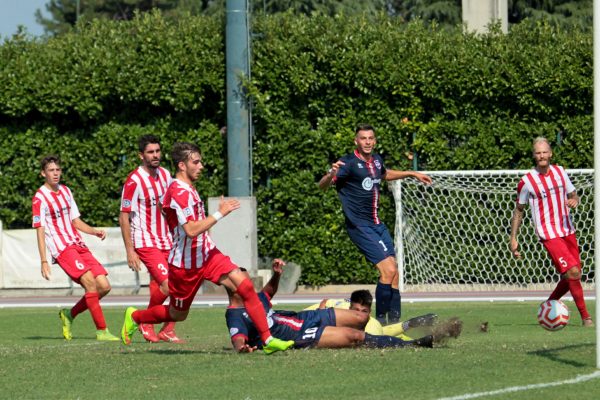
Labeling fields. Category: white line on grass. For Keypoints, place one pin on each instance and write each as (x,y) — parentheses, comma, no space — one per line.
(578,379)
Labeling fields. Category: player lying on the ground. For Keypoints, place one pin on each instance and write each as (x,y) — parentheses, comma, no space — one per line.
(322,328)
(362,300)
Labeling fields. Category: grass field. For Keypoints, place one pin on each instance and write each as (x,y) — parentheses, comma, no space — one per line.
(37,363)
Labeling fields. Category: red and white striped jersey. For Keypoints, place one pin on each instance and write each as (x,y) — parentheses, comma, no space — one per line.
(547,197)
(182,204)
(55,211)
(141,198)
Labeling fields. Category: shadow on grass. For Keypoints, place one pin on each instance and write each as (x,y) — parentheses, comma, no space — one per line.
(175,352)
(555,354)
(46,338)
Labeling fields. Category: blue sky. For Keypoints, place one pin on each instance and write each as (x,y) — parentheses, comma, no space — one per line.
(20,12)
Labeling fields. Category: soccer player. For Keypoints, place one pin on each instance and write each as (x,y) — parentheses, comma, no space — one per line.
(194,257)
(145,231)
(550,194)
(362,300)
(57,222)
(357,177)
(320,328)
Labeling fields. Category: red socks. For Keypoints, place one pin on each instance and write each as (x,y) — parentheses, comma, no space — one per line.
(92,300)
(153,315)
(79,307)
(577,292)
(157,298)
(254,308)
(561,289)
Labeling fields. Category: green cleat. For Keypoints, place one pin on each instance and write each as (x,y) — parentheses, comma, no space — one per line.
(67,320)
(129,326)
(104,335)
(277,345)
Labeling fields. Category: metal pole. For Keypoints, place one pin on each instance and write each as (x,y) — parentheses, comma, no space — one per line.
(596,40)
(238,121)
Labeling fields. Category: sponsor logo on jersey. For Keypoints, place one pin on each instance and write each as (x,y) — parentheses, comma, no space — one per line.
(126,203)
(368,183)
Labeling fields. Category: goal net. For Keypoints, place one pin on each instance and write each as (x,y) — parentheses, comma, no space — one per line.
(453,235)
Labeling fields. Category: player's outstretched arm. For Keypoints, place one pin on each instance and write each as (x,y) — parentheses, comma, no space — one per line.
(393,174)
(195,228)
(85,228)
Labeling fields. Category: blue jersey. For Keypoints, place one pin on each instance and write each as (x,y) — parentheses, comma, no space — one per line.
(358,183)
(304,327)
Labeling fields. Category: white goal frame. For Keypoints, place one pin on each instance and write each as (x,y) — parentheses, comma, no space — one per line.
(441,229)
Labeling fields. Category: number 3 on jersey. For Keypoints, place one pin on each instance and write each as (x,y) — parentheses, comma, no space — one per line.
(163,269)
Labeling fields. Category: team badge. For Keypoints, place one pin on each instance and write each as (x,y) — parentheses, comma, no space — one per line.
(367,183)
(126,203)
(377,164)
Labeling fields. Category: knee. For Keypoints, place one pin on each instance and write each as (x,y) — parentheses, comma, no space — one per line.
(363,318)
(573,273)
(164,288)
(104,290)
(356,337)
(177,315)
(388,272)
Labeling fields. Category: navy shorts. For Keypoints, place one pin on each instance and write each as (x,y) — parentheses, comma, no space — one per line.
(304,328)
(375,241)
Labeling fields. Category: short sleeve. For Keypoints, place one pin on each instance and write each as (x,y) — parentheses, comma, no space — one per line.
(38,210)
(180,203)
(129,195)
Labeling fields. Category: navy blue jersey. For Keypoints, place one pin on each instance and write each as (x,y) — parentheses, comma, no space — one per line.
(358,183)
(304,328)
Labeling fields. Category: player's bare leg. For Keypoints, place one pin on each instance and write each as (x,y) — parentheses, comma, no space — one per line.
(350,318)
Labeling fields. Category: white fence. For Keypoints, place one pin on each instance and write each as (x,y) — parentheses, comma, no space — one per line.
(20,262)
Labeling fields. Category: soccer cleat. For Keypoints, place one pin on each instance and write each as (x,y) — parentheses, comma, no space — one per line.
(66,319)
(422,320)
(129,326)
(169,336)
(147,331)
(425,341)
(587,323)
(277,345)
(104,335)
(404,337)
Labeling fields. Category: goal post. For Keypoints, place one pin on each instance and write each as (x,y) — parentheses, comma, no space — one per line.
(453,235)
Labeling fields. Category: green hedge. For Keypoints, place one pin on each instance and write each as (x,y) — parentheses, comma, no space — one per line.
(459,100)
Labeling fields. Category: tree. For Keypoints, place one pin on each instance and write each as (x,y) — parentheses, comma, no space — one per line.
(559,12)
(64,14)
